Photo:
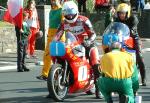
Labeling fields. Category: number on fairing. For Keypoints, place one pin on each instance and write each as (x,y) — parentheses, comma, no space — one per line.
(82,73)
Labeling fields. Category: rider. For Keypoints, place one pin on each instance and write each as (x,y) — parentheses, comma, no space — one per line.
(117,76)
(82,28)
(123,15)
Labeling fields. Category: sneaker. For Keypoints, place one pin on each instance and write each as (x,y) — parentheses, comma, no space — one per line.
(25,68)
(19,70)
(41,77)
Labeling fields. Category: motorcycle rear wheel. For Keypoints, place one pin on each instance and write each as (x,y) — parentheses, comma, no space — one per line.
(56,88)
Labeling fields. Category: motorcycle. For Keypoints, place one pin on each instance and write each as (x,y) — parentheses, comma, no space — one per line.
(71,71)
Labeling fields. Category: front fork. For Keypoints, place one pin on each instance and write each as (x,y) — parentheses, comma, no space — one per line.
(65,66)
(64,69)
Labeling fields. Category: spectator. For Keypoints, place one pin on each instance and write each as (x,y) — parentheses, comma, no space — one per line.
(82,5)
(22,35)
(140,4)
(34,26)
(102,5)
(55,17)
(109,16)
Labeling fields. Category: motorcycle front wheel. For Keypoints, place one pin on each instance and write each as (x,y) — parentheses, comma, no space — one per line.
(56,88)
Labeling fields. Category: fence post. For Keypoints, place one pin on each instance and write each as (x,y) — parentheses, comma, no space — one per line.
(43,15)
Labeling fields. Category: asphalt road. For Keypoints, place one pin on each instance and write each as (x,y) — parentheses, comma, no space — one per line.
(23,87)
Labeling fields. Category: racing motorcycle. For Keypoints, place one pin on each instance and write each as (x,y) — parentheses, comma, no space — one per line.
(71,71)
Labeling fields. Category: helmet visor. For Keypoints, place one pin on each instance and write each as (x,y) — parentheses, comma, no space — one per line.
(70,16)
(120,29)
(70,11)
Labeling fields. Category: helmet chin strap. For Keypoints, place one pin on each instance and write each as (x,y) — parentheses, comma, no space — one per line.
(73,20)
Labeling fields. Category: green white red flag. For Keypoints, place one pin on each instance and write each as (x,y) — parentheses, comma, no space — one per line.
(14,13)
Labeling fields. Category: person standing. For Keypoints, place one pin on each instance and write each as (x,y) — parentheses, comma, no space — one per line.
(82,6)
(55,16)
(109,16)
(34,26)
(22,35)
(140,4)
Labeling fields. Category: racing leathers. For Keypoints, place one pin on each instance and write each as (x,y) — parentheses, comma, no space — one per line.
(132,23)
(82,29)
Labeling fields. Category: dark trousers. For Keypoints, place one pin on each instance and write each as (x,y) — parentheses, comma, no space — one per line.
(140,4)
(21,50)
(139,58)
(82,5)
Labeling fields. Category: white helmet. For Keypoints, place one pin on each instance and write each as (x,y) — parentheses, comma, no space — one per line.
(70,11)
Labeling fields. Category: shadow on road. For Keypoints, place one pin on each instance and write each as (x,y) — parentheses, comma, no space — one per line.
(43,99)
(35,99)
(20,82)
(79,98)
(28,90)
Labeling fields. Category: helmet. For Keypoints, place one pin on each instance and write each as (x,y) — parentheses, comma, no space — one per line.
(70,11)
(125,8)
(111,41)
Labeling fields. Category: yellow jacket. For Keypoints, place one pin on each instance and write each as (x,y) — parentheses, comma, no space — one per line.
(117,64)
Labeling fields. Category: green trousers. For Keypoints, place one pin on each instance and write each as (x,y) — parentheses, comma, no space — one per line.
(135,79)
(122,86)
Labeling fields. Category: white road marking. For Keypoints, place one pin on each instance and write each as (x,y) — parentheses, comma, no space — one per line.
(12,66)
(145,39)
(8,62)
(146,50)
(8,68)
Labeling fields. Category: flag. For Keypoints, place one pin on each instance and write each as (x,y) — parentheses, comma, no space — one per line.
(15,11)
(7,17)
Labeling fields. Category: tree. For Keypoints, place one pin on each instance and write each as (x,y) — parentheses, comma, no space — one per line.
(3,3)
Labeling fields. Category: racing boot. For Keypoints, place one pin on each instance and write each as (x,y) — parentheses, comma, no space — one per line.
(96,75)
(143,82)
